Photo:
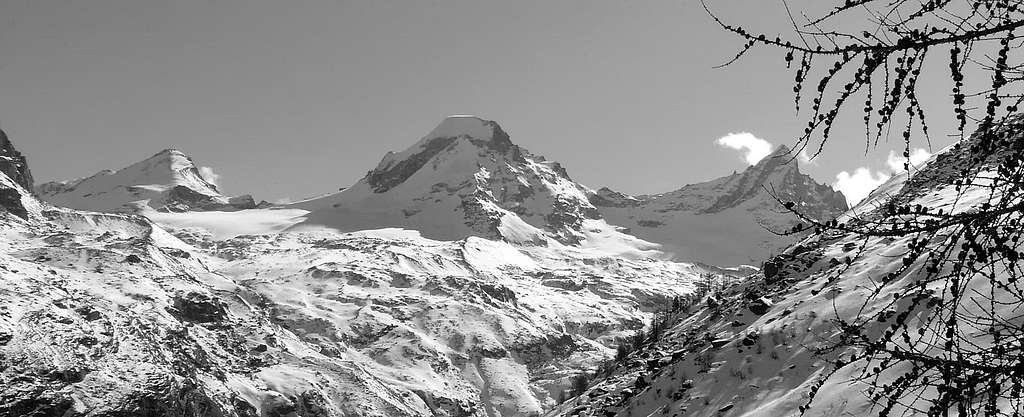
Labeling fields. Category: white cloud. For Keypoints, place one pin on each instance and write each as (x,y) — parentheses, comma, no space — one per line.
(917,157)
(858,185)
(209,175)
(754,148)
(284,200)
(805,158)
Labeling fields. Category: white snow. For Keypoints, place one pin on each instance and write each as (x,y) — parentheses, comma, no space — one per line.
(229,224)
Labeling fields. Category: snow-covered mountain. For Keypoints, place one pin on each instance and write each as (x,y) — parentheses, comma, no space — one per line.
(465,178)
(757,347)
(110,314)
(729,220)
(167,181)
(464,276)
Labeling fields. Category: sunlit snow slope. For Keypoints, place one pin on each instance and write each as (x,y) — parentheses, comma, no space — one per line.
(726,221)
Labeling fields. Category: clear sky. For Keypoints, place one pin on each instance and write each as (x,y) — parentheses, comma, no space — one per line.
(297,98)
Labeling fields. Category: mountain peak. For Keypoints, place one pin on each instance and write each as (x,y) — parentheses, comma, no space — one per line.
(474,128)
(170,152)
(471,134)
(467,166)
(464,125)
(169,181)
(781,157)
(781,150)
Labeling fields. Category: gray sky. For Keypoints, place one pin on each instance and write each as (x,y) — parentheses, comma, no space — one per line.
(296,98)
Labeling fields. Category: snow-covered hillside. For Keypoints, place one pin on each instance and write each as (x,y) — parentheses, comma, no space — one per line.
(726,221)
(758,346)
(109,314)
(167,181)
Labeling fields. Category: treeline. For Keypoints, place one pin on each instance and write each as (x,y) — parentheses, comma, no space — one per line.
(679,308)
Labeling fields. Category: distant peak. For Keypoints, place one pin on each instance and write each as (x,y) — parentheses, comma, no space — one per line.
(455,130)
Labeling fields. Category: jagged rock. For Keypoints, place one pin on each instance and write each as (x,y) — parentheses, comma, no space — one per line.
(14,164)
(750,339)
(198,307)
(770,269)
(760,306)
(10,201)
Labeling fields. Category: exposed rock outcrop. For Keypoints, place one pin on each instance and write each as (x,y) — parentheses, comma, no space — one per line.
(13,163)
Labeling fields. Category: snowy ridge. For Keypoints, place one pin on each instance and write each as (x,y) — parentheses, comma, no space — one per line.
(167,181)
(726,221)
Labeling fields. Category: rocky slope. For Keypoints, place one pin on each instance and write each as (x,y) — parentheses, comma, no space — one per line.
(726,221)
(167,181)
(110,315)
(757,347)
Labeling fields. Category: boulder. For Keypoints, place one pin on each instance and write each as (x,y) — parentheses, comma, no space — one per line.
(198,307)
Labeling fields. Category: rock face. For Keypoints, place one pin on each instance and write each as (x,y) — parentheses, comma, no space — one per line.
(16,183)
(466,178)
(167,181)
(13,163)
(723,221)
